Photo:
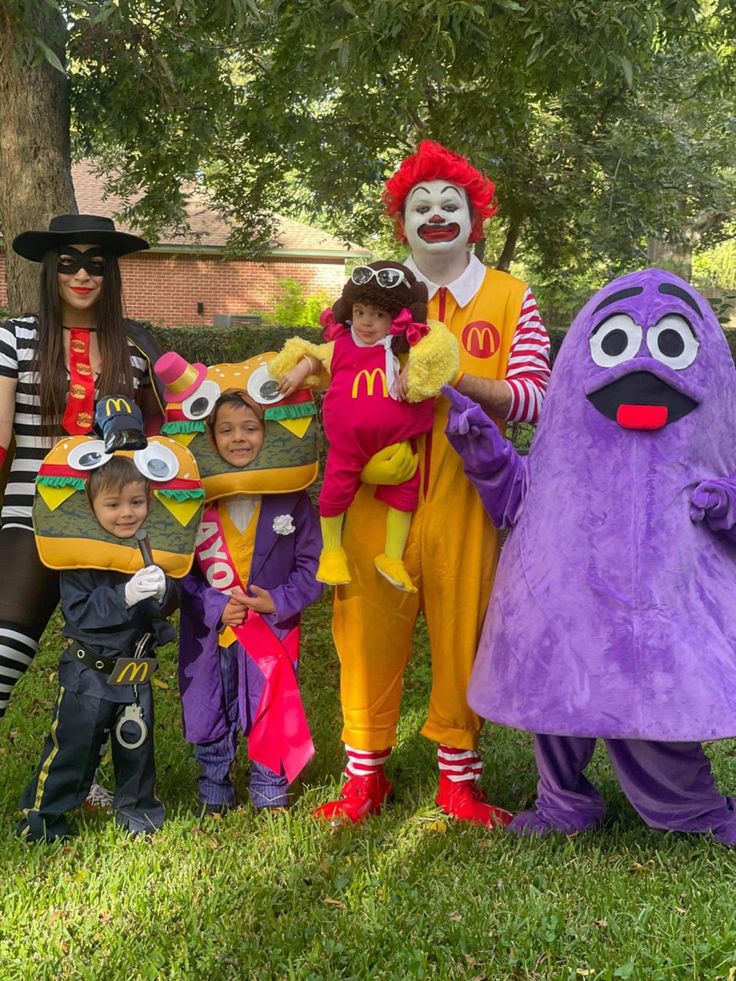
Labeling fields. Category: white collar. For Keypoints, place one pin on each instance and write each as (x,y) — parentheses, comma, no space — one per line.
(466,285)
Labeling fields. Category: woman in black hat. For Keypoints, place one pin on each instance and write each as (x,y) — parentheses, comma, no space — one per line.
(53,365)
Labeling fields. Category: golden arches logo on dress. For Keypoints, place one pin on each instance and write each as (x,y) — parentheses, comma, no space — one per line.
(117,405)
(370,378)
(481,339)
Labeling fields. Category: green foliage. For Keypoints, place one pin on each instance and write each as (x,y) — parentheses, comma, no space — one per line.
(220,345)
(716,266)
(295,309)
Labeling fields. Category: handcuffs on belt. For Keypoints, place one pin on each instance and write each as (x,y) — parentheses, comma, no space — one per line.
(133,713)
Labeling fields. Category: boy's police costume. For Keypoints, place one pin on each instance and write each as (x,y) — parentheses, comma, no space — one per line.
(107,620)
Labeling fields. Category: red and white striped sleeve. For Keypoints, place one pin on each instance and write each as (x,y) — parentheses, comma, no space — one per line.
(527,373)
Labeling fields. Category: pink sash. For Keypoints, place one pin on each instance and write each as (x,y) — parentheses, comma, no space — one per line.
(280,736)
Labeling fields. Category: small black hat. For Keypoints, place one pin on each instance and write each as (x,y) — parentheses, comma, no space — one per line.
(119,421)
(84,229)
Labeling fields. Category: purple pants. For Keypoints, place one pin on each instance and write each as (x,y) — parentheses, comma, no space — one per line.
(267,789)
(670,785)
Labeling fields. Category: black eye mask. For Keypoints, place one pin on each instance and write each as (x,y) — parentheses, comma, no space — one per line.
(71,260)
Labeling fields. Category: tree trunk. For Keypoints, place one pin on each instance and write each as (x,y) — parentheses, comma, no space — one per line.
(509,247)
(35,154)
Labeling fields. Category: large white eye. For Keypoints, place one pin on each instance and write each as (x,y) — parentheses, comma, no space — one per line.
(615,340)
(202,402)
(156,462)
(263,387)
(89,455)
(672,342)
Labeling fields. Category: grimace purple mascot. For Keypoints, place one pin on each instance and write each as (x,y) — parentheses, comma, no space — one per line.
(613,612)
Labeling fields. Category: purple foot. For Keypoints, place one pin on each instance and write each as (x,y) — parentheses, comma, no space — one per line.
(535,823)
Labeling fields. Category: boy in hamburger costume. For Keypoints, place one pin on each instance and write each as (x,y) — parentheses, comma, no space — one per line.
(256,555)
(114,514)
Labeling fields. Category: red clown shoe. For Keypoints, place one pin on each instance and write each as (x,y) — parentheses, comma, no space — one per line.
(465,801)
(359,798)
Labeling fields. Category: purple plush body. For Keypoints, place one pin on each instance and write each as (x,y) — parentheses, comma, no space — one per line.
(613,612)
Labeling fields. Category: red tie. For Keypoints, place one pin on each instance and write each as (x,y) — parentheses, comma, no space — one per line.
(81,401)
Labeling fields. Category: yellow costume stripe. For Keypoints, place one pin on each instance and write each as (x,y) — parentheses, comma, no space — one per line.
(43,775)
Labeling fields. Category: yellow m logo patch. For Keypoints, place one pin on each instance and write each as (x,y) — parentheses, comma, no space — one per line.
(369,378)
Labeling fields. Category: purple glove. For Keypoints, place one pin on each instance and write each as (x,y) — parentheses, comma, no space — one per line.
(490,462)
(472,434)
(714,501)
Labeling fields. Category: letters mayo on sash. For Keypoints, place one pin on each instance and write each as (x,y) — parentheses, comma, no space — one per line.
(369,378)
(212,555)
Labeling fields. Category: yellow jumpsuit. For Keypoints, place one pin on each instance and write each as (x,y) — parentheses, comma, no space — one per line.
(451,555)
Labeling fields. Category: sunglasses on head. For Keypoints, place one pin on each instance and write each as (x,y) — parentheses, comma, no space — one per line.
(71,260)
(386,278)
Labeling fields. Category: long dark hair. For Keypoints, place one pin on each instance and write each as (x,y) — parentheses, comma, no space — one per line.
(48,357)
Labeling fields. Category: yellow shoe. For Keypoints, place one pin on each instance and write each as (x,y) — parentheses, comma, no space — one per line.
(333,567)
(395,571)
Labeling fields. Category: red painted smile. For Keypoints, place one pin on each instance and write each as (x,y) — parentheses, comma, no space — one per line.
(82,290)
(439,233)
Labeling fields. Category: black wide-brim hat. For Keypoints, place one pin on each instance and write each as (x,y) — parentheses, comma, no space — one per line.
(73,229)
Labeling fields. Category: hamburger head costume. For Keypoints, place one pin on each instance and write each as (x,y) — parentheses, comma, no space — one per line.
(611,616)
(68,536)
(288,460)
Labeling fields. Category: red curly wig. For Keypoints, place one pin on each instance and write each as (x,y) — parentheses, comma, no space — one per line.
(431,162)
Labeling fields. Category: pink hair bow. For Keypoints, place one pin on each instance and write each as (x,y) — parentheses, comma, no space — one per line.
(403,324)
(331,327)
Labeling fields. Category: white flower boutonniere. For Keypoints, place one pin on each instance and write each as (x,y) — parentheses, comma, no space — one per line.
(283,524)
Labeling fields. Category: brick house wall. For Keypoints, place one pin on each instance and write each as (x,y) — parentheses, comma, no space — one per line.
(166,288)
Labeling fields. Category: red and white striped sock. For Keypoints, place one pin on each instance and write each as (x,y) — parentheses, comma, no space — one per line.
(364,762)
(459,764)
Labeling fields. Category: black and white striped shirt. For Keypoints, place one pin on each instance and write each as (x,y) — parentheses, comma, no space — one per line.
(18,339)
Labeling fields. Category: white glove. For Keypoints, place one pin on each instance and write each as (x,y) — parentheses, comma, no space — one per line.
(146,583)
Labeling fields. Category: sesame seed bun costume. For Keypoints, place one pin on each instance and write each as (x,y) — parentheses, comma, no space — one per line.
(362,413)
(113,621)
(260,530)
(611,615)
(452,547)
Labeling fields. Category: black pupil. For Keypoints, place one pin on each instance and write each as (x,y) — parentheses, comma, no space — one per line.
(157,467)
(199,406)
(671,343)
(269,389)
(89,459)
(615,343)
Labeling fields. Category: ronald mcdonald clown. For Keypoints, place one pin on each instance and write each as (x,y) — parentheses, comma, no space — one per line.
(439,202)
(612,614)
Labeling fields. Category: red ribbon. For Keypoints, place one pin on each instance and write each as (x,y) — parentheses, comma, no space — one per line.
(403,324)
(280,735)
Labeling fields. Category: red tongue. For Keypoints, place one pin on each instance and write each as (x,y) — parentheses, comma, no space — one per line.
(642,416)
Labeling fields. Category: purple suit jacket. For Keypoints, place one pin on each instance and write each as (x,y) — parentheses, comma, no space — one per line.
(285,565)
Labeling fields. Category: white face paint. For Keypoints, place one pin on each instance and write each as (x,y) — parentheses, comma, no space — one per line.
(437,218)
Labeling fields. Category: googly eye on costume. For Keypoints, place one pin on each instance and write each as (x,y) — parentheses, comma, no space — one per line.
(615,340)
(89,455)
(200,404)
(157,462)
(673,342)
(263,387)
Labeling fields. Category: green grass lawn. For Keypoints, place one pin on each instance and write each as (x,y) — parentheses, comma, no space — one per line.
(406,895)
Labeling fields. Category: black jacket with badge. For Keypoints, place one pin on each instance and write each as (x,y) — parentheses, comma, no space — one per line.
(97,617)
